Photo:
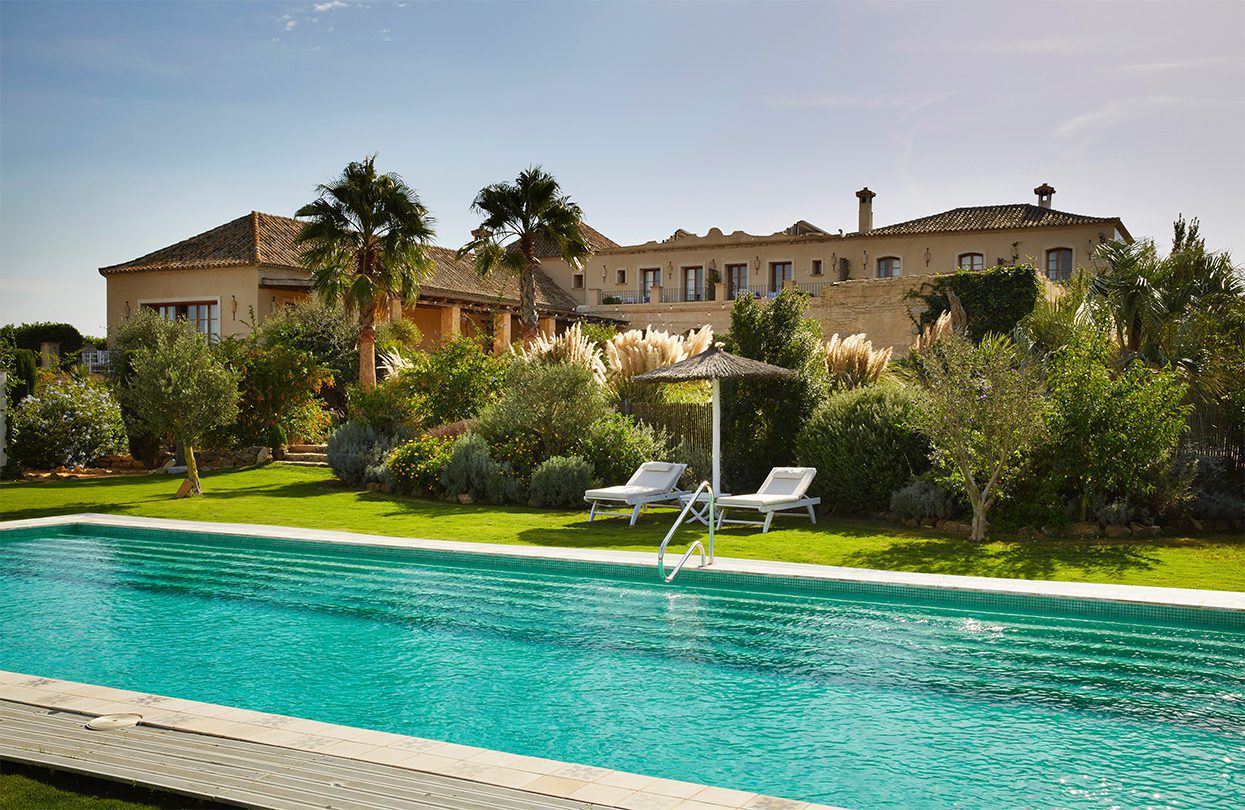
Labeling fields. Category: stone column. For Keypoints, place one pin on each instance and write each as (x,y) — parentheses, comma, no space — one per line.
(654,294)
(720,291)
(788,284)
(594,297)
(501,332)
(451,321)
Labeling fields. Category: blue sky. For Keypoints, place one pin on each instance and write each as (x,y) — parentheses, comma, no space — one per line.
(127,126)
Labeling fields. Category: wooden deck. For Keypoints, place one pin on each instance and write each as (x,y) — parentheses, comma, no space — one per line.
(241,773)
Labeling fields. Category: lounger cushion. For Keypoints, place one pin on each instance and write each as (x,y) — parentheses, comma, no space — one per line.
(658,475)
(756,501)
(622,492)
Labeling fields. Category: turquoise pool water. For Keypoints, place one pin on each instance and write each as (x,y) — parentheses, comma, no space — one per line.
(889,698)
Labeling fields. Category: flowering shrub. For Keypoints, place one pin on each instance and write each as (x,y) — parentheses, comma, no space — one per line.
(415,467)
(67,422)
(521,450)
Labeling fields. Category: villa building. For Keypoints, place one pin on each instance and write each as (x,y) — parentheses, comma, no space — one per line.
(243,271)
(857,280)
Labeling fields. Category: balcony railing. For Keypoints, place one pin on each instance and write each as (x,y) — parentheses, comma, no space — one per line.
(96,360)
(679,295)
(813,287)
(609,297)
(755,290)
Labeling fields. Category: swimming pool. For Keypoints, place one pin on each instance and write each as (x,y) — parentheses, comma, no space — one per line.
(859,696)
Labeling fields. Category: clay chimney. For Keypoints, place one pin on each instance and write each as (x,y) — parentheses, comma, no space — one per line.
(1044,192)
(866,209)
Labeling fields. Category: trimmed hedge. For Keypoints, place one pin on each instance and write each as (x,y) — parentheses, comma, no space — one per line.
(560,482)
(865,445)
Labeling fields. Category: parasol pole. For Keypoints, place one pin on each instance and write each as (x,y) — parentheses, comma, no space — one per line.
(717,437)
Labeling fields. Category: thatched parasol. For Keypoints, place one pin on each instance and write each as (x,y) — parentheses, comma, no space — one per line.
(716,365)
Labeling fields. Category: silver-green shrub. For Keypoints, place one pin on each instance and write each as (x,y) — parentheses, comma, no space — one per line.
(357,452)
(923,499)
(471,471)
(560,482)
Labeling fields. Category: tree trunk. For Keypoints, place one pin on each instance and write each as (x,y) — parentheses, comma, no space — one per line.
(192,470)
(527,298)
(367,348)
(978,533)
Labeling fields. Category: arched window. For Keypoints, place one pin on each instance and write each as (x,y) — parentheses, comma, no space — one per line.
(971,261)
(1059,265)
(889,267)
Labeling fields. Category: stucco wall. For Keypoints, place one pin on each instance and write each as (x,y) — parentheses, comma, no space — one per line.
(874,306)
(925,254)
(128,291)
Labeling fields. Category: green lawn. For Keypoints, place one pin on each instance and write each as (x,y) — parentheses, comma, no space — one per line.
(28,788)
(311,497)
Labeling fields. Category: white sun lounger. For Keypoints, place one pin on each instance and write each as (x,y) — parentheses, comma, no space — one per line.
(781,494)
(653,483)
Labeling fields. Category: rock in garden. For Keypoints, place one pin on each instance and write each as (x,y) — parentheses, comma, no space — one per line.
(1084,529)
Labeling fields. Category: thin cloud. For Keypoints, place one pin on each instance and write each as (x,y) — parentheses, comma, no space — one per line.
(908,104)
(1054,45)
(1165,67)
(320,8)
(1112,113)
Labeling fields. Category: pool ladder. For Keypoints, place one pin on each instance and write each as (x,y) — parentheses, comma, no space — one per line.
(696,545)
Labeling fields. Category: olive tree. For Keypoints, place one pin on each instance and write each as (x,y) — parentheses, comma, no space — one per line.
(178,386)
(983,412)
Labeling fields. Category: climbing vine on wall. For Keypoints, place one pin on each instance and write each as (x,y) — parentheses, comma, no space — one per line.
(994,299)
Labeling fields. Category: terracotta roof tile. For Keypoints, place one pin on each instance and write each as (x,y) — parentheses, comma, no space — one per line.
(268,240)
(989,217)
(228,245)
(596,240)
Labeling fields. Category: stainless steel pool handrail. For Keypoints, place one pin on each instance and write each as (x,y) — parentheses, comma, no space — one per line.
(696,544)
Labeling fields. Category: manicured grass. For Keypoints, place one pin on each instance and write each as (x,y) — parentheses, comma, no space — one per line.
(26,787)
(312,498)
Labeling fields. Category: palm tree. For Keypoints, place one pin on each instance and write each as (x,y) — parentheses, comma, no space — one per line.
(364,240)
(1128,290)
(519,219)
